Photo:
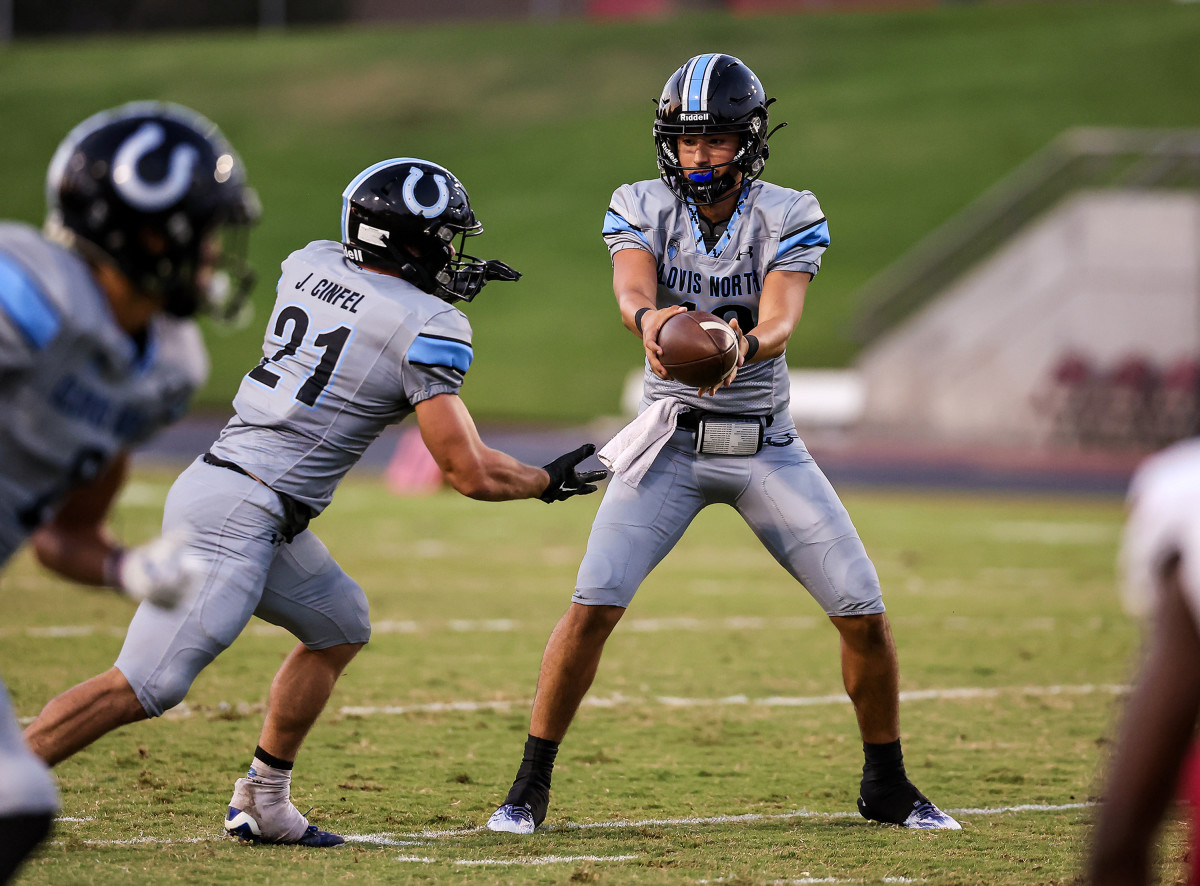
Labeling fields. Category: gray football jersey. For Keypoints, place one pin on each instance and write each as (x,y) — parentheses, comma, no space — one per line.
(773,228)
(74,388)
(347,353)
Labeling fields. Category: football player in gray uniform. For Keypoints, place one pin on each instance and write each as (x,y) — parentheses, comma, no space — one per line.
(364,333)
(709,234)
(96,353)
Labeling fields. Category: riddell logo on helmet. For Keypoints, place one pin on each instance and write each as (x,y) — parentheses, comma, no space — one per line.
(701,117)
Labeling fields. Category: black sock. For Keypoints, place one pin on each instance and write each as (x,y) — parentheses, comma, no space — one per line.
(272,760)
(22,833)
(884,762)
(532,785)
(886,794)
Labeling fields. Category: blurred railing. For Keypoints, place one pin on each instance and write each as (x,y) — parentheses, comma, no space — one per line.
(1077,159)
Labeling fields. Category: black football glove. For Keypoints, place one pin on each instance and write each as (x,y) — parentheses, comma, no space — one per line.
(565,481)
(494,269)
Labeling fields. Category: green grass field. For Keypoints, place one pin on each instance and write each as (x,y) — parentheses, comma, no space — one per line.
(717,747)
(897,120)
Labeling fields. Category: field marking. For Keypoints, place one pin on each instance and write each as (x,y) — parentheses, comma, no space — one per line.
(422,837)
(681,624)
(774,701)
(545,859)
(184,711)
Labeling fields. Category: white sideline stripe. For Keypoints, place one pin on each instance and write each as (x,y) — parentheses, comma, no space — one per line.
(391,839)
(183,711)
(381,840)
(774,701)
(545,859)
(1040,624)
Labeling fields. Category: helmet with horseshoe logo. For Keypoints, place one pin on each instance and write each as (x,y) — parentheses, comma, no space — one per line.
(403,215)
(155,189)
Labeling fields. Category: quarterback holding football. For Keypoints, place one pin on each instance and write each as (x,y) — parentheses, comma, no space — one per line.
(710,235)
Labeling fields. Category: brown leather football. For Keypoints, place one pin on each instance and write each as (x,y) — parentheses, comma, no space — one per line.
(699,348)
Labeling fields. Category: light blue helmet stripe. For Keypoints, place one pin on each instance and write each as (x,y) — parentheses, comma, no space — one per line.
(367,173)
(697,82)
(26,305)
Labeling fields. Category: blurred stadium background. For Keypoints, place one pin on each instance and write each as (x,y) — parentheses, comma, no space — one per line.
(1011,189)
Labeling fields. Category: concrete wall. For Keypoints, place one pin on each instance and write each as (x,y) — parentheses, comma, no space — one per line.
(1106,275)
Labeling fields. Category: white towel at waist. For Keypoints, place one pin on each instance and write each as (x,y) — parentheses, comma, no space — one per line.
(630,454)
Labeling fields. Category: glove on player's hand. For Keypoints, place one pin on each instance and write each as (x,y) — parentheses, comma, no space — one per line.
(565,481)
(161,571)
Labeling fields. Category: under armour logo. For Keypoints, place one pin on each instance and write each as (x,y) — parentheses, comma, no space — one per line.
(749,250)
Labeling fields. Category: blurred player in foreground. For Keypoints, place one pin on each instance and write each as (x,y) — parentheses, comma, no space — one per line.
(708,234)
(364,332)
(1160,556)
(96,355)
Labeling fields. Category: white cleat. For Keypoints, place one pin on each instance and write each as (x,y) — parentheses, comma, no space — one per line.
(926,816)
(510,819)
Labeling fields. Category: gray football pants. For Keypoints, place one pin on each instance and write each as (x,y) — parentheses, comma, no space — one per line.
(781,494)
(233,524)
(26,786)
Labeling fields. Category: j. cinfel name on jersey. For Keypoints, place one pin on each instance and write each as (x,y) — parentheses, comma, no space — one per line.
(717,285)
(332,293)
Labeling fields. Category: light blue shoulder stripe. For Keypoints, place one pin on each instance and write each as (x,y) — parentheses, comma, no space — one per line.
(26,305)
(817,235)
(430,350)
(614,224)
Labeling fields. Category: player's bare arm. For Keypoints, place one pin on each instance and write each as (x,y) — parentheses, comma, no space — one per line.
(1158,727)
(635,283)
(779,312)
(76,544)
(477,471)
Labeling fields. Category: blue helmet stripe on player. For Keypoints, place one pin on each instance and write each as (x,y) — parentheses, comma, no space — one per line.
(367,173)
(614,224)
(816,234)
(26,305)
(433,350)
(697,82)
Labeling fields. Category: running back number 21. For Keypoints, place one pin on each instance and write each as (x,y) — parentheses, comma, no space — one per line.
(330,343)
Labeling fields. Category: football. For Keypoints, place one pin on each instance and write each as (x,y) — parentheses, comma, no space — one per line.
(698,348)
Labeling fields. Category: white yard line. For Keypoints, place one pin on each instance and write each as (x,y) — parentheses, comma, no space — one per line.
(682,624)
(773,701)
(184,711)
(423,837)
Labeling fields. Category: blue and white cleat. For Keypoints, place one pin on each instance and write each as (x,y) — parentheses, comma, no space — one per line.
(510,819)
(926,816)
(242,827)
(263,814)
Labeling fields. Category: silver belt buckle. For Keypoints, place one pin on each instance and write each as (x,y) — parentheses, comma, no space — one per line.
(736,436)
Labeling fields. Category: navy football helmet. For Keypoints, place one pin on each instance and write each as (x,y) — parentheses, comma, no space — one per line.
(711,94)
(157,191)
(403,215)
